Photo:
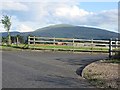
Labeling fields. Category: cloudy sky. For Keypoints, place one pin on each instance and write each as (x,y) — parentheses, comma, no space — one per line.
(29,16)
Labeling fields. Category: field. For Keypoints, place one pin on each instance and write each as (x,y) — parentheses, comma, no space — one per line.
(56,47)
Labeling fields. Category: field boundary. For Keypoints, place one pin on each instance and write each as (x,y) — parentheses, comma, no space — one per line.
(75,45)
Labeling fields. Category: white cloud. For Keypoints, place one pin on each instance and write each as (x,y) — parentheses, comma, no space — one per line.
(48,13)
(24,28)
(16,6)
(2,28)
(19,26)
(64,0)
(70,12)
(107,19)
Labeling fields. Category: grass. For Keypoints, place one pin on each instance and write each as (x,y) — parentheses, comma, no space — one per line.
(8,48)
(111,61)
(55,47)
(13,47)
(60,47)
(94,81)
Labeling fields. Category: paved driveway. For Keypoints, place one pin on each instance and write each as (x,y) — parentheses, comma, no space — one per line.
(30,69)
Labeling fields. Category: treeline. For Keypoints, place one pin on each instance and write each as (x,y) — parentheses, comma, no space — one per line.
(18,39)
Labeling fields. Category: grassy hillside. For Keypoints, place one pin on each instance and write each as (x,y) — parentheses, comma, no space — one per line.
(70,31)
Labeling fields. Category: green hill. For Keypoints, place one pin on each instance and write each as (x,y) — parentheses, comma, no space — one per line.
(70,31)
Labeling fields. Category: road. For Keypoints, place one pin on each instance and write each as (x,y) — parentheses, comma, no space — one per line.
(32,69)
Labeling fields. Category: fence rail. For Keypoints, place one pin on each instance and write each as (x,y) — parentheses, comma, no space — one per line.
(110,46)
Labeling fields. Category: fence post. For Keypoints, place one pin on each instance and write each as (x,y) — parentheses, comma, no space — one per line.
(110,48)
(28,41)
(17,41)
(34,41)
(54,41)
(73,44)
(116,45)
(92,45)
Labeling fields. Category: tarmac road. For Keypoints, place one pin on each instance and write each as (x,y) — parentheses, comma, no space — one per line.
(31,69)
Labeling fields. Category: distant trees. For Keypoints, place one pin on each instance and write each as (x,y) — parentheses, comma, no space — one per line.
(7,24)
(14,39)
(20,38)
(4,40)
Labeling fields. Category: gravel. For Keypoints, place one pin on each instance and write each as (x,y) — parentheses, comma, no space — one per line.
(102,75)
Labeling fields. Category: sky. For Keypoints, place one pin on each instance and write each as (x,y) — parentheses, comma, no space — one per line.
(29,16)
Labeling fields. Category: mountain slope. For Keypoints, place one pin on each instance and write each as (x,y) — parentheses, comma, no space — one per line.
(70,31)
(12,33)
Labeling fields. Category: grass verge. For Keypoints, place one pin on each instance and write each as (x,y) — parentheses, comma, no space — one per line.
(117,61)
(55,47)
(69,48)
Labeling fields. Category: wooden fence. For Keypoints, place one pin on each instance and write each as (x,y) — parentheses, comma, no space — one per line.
(108,46)
(114,47)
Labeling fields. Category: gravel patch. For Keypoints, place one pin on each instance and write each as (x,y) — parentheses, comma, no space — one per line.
(101,74)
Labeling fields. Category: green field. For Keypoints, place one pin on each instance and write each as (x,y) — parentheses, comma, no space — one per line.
(55,47)
(60,47)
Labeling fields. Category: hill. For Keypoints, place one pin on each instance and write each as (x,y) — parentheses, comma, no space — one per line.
(70,31)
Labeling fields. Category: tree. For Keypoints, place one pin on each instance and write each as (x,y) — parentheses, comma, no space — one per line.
(20,38)
(7,24)
(4,40)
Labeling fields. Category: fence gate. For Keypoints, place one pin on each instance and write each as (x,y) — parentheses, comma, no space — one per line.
(114,47)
